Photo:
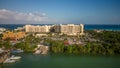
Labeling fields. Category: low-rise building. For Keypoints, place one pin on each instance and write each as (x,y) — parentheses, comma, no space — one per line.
(40,35)
(20,29)
(13,35)
(2,30)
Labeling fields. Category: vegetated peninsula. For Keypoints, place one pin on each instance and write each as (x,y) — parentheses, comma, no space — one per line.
(68,38)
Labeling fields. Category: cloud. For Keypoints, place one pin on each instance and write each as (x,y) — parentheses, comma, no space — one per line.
(7,16)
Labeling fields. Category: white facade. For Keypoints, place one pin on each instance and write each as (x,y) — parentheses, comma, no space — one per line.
(41,29)
(70,29)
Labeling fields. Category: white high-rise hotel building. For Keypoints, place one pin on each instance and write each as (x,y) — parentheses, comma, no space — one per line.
(69,29)
(39,29)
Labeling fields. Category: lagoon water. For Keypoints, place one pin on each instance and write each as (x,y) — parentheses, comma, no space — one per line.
(29,60)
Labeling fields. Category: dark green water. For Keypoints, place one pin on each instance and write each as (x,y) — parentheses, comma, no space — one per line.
(64,61)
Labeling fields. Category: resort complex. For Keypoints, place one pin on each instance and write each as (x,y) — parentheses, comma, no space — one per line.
(57,38)
(59,33)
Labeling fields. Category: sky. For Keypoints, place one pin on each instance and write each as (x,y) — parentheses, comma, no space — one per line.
(59,11)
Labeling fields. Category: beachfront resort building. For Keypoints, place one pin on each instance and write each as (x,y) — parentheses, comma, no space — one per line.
(13,35)
(38,29)
(70,29)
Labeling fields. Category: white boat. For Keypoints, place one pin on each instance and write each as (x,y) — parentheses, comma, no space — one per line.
(14,57)
(9,61)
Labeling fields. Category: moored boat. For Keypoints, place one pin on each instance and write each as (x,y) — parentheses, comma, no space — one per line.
(14,57)
(9,61)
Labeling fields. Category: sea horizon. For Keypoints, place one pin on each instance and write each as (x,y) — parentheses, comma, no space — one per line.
(113,27)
